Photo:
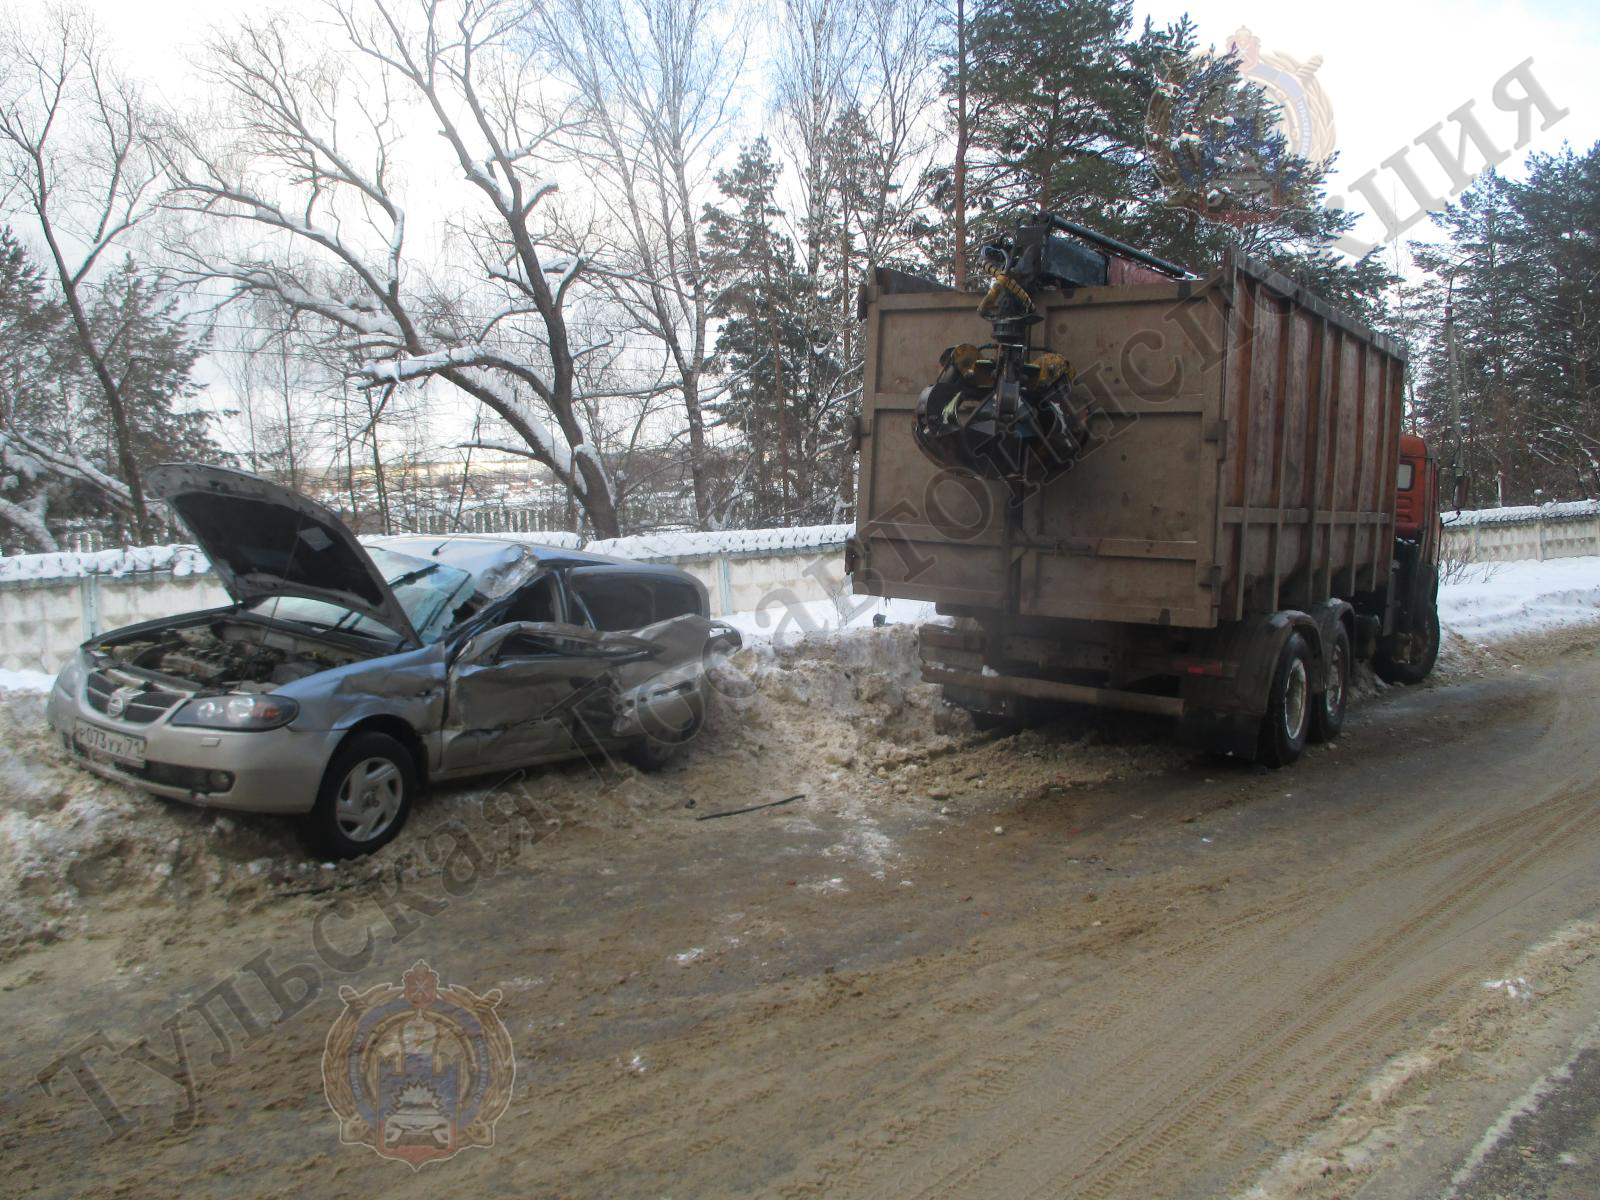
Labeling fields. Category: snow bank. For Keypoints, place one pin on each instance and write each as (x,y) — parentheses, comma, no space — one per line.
(786,623)
(1522,513)
(1491,602)
(179,560)
(1496,601)
(682,544)
(25,681)
(73,845)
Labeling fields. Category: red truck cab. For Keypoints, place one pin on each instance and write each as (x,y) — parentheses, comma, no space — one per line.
(1407,653)
(1416,489)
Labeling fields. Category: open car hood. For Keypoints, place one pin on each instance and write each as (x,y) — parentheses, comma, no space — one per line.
(265,540)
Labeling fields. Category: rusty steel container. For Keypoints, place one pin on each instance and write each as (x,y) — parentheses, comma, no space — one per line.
(1243,458)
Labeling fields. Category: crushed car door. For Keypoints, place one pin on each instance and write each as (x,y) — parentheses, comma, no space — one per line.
(664,694)
(527,691)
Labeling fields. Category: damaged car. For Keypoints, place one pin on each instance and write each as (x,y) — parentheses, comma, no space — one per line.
(346,675)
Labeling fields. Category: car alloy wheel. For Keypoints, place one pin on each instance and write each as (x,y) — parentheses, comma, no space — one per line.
(369,799)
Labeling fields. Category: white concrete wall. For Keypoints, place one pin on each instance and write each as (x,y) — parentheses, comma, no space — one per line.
(740,583)
(42,622)
(1540,538)
(49,604)
(43,618)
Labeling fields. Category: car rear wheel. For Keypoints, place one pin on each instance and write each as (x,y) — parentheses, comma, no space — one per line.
(656,750)
(1287,722)
(1327,707)
(365,797)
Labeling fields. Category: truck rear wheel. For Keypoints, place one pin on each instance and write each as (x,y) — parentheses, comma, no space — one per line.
(1287,722)
(1327,706)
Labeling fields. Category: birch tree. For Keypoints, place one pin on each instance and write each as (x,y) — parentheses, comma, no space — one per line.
(76,155)
(300,167)
(654,81)
(853,87)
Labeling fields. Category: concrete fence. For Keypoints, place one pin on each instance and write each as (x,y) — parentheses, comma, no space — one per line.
(1539,532)
(49,603)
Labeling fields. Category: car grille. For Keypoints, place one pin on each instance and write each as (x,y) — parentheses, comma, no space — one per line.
(140,707)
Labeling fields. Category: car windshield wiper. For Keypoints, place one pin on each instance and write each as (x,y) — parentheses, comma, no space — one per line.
(413,576)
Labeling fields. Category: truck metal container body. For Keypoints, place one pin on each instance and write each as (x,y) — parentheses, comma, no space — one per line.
(1243,461)
(1223,544)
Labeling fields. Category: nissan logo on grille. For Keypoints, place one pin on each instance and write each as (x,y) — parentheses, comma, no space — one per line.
(119,700)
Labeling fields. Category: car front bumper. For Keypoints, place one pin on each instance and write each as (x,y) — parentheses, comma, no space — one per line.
(273,770)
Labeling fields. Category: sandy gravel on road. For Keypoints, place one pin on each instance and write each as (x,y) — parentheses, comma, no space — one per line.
(1073,962)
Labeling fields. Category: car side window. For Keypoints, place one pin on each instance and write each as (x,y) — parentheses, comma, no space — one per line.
(537,601)
(674,599)
(615,603)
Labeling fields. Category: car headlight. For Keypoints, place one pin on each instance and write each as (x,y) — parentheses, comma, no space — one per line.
(238,711)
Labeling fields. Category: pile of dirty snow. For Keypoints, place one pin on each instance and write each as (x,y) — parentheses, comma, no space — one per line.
(843,695)
(70,840)
(25,681)
(791,623)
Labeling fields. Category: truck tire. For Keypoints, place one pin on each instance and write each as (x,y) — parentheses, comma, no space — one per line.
(1411,673)
(1328,705)
(1287,722)
(364,799)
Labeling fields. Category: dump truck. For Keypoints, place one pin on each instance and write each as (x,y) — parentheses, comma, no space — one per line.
(1140,489)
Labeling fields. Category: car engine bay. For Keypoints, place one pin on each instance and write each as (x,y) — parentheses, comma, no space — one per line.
(227,655)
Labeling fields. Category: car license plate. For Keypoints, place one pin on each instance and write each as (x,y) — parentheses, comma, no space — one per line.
(108,743)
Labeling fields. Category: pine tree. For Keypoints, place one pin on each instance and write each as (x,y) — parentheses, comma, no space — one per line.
(1483,274)
(1059,96)
(59,449)
(153,357)
(762,344)
(1559,209)
(31,329)
(1053,103)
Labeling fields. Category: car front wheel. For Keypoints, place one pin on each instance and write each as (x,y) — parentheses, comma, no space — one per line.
(365,797)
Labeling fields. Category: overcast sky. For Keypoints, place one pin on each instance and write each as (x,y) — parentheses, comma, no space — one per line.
(1393,69)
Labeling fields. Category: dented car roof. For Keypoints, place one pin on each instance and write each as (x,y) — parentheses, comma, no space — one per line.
(501,564)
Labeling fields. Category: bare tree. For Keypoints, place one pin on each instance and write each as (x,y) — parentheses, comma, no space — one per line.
(305,157)
(817,76)
(75,148)
(31,465)
(961,117)
(883,184)
(271,371)
(654,81)
(854,86)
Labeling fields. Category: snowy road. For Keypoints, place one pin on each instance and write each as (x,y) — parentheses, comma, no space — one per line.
(1070,963)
